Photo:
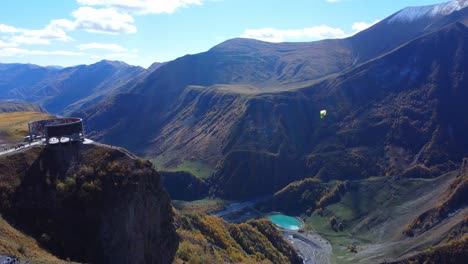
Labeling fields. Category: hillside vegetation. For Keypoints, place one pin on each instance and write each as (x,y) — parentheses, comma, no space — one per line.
(208,239)
(14,125)
(454,198)
(184,186)
(305,196)
(455,251)
(369,224)
(15,243)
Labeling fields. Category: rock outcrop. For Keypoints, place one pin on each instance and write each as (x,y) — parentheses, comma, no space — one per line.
(89,204)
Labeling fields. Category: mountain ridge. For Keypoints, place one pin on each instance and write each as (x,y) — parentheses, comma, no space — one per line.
(169,98)
(57,88)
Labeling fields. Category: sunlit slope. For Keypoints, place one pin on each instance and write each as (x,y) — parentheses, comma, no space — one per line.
(19,106)
(15,243)
(209,239)
(14,125)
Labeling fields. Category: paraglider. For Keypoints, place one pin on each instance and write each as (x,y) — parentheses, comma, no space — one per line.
(323,113)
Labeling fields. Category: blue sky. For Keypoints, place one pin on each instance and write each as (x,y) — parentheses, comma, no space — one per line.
(140,32)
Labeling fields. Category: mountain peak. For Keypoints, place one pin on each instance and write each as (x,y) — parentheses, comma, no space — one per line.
(240,44)
(411,14)
(114,63)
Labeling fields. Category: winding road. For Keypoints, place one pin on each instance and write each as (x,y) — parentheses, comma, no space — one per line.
(22,147)
(85,141)
(311,247)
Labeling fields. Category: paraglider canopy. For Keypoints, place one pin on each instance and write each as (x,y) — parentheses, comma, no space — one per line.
(323,113)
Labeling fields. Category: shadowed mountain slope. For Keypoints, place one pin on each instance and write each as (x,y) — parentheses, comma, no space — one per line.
(398,114)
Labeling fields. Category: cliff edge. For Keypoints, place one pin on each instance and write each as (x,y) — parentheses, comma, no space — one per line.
(88,203)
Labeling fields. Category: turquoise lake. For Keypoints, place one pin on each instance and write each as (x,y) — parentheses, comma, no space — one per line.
(286,222)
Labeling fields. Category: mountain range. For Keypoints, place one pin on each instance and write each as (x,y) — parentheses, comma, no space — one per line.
(242,120)
(245,105)
(61,90)
(247,101)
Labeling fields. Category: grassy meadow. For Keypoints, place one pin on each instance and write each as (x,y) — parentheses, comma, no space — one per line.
(14,125)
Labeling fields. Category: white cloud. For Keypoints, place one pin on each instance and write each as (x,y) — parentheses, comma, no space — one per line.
(333,1)
(4,44)
(105,20)
(101,46)
(360,26)
(41,36)
(142,6)
(281,35)
(44,36)
(96,16)
(116,16)
(63,24)
(17,52)
(7,29)
(305,34)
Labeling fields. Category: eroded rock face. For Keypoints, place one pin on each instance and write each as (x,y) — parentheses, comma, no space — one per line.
(89,204)
(139,224)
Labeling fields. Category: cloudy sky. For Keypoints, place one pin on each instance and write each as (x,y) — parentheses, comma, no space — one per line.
(140,32)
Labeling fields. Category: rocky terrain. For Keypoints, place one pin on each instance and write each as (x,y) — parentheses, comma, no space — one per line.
(87,204)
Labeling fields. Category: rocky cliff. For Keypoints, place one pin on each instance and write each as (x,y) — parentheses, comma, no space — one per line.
(88,204)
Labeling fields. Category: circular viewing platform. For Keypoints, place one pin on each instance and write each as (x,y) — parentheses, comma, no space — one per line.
(56,130)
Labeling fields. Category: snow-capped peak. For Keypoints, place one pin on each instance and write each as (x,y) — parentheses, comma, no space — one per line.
(410,14)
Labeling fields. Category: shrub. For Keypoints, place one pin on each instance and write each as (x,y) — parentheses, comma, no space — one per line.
(60,187)
(340,227)
(332,196)
(352,248)
(333,223)
(22,249)
(320,211)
